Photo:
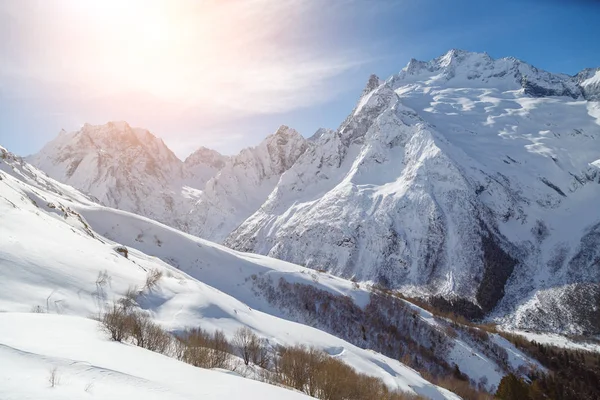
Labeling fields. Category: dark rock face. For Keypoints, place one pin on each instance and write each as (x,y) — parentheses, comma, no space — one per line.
(534,90)
(498,267)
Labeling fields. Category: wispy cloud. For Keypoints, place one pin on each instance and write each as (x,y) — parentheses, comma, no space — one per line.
(251,56)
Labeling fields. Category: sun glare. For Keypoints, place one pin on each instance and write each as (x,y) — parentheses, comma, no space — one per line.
(146,39)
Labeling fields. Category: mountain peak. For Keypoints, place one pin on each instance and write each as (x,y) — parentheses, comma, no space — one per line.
(284,130)
(461,68)
(372,84)
(121,125)
(206,158)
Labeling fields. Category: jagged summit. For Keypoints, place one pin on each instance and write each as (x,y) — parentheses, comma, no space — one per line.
(460,68)
(206,156)
(372,84)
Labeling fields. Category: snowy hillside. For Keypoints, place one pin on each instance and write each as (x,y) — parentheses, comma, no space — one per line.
(59,255)
(462,177)
(87,365)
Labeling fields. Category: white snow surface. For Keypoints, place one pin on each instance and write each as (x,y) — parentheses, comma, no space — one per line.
(560,341)
(89,366)
(56,242)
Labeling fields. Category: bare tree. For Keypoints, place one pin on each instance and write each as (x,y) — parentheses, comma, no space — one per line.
(245,342)
(54,378)
(117,322)
(259,353)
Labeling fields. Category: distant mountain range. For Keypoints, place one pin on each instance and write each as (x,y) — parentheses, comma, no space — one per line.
(470,180)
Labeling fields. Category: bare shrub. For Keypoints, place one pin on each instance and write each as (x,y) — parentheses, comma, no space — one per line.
(129,300)
(152,278)
(117,323)
(54,377)
(259,353)
(298,368)
(315,373)
(157,339)
(38,310)
(478,334)
(205,350)
(246,342)
(138,325)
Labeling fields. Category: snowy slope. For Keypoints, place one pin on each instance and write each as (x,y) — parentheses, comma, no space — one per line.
(90,366)
(560,341)
(52,260)
(462,177)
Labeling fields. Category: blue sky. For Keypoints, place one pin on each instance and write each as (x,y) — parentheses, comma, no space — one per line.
(224,74)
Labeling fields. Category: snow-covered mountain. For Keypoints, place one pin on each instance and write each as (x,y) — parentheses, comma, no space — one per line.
(463,177)
(131,169)
(467,178)
(59,256)
(123,167)
(243,184)
(202,165)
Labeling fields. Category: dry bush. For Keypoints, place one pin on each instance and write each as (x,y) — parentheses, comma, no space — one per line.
(54,378)
(158,339)
(117,322)
(147,334)
(201,349)
(459,386)
(298,366)
(138,330)
(152,278)
(130,299)
(38,310)
(478,334)
(451,332)
(259,353)
(489,327)
(317,374)
(123,323)
(122,250)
